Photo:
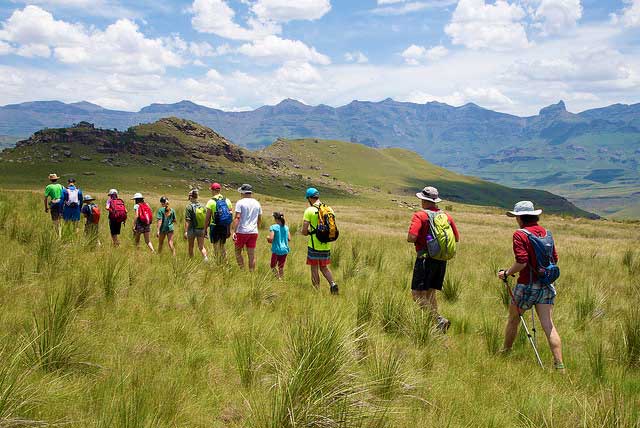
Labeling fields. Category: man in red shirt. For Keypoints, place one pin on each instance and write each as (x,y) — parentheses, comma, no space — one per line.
(529,292)
(428,273)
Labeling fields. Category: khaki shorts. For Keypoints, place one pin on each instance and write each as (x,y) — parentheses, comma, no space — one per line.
(195,233)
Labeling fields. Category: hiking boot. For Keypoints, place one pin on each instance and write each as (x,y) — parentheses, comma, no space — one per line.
(442,324)
(333,288)
(559,366)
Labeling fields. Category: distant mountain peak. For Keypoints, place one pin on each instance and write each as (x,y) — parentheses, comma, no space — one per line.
(291,102)
(560,107)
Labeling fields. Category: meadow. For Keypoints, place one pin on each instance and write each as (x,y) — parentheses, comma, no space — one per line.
(92,336)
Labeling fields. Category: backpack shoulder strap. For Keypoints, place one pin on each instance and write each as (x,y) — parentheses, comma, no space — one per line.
(526,232)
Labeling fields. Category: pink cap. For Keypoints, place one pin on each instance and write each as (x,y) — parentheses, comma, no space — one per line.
(215,186)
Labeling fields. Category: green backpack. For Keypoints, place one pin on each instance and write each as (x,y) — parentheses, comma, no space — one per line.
(441,242)
(199,215)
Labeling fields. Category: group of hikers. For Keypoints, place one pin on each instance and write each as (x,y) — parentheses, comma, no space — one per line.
(432,231)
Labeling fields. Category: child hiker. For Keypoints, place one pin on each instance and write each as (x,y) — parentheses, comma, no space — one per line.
(166,217)
(91,213)
(279,238)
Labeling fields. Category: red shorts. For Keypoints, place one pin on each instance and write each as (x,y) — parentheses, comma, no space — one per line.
(248,240)
(279,260)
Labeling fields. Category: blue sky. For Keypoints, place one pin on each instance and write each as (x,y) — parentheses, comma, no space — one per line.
(514,56)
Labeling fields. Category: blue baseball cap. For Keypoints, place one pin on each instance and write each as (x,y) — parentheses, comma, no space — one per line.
(312,192)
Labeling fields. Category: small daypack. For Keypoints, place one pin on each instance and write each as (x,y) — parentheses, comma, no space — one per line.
(546,269)
(145,215)
(117,210)
(72,199)
(94,217)
(441,241)
(327,230)
(222,216)
(199,216)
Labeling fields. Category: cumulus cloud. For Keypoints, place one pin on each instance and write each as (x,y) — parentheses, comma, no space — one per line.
(556,16)
(274,48)
(356,56)
(216,17)
(487,97)
(287,10)
(630,16)
(415,54)
(120,47)
(298,73)
(479,25)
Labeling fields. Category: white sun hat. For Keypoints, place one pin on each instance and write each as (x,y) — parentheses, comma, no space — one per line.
(523,208)
(138,196)
(112,192)
(429,193)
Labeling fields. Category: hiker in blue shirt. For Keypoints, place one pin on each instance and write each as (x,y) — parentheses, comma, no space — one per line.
(279,237)
(72,202)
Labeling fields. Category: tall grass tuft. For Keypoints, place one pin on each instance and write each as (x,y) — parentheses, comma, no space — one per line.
(244,345)
(315,383)
(109,271)
(130,405)
(46,250)
(631,337)
(503,294)
(392,313)
(451,289)
(385,373)
(16,398)
(421,326)
(364,307)
(491,335)
(629,261)
(52,346)
(260,290)
(588,306)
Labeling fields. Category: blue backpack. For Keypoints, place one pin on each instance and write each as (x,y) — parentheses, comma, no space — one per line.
(546,268)
(222,216)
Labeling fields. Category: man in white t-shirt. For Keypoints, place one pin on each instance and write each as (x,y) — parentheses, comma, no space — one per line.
(245,226)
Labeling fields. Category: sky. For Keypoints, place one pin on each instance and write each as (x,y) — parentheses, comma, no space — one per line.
(514,56)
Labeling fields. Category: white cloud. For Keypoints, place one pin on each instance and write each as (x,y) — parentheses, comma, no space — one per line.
(356,56)
(630,16)
(120,47)
(104,8)
(274,48)
(415,54)
(287,10)
(216,17)
(381,2)
(478,25)
(485,97)
(557,16)
(5,48)
(298,73)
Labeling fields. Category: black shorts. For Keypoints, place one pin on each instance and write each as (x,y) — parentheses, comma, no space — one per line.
(219,233)
(115,227)
(56,211)
(428,273)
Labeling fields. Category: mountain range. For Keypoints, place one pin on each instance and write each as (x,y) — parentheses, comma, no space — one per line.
(591,157)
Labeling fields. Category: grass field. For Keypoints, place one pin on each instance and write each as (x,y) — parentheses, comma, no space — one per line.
(104,337)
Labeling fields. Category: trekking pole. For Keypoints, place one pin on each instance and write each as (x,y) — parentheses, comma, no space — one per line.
(513,300)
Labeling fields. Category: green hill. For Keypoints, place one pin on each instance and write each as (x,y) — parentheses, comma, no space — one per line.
(178,153)
(400,172)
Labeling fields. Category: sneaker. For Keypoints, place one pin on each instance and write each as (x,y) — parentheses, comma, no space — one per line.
(559,366)
(333,288)
(442,324)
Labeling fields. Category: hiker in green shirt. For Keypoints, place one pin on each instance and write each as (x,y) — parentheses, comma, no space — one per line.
(318,253)
(219,219)
(166,217)
(194,224)
(53,201)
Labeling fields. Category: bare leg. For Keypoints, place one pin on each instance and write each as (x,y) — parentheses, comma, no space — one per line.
(326,272)
(202,248)
(251,253)
(511,330)
(239,258)
(315,276)
(147,240)
(190,240)
(160,242)
(136,235)
(170,242)
(116,241)
(545,314)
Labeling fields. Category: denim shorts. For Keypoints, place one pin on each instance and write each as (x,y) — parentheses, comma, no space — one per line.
(528,295)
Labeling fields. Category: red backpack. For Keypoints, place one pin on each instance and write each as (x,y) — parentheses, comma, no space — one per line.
(145,215)
(95,214)
(117,210)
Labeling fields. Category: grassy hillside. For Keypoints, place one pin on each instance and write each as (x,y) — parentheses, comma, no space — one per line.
(99,337)
(177,153)
(399,171)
